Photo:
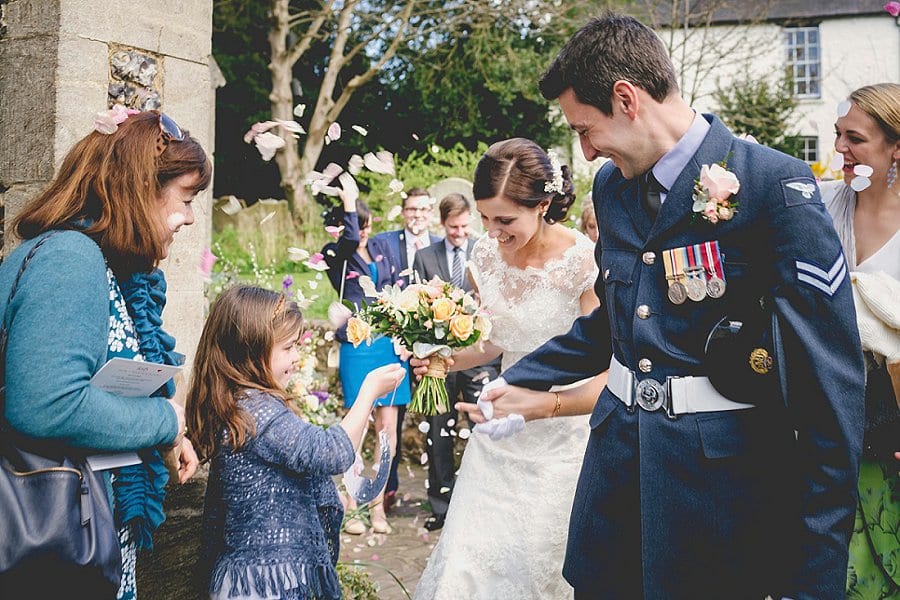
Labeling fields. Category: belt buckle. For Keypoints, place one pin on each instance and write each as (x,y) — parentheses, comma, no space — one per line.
(651,395)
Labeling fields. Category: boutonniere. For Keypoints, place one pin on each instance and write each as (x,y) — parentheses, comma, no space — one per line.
(714,191)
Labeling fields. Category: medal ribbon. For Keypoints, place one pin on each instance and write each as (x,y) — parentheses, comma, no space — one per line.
(669,263)
(680,256)
(712,259)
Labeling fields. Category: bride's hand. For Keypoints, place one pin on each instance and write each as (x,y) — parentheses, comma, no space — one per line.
(420,366)
(473,413)
(509,399)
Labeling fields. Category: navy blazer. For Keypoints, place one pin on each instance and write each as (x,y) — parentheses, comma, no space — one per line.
(719,504)
(344,251)
(396,242)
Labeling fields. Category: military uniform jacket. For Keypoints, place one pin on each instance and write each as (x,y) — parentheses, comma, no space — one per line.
(729,504)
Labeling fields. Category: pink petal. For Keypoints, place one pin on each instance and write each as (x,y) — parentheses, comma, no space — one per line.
(316,258)
(352,274)
(207,260)
(334,131)
(333,231)
(893,8)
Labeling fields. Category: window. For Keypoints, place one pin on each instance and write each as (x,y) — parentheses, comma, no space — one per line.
(808,148)
(803,60)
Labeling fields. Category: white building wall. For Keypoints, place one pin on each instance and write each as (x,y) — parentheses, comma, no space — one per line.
(855,51)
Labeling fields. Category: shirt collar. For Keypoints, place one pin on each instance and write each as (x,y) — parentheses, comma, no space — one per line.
(669,167)
(449,247)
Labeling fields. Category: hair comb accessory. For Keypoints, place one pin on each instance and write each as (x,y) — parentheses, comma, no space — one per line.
(278,307)
(556,185)
(107,122)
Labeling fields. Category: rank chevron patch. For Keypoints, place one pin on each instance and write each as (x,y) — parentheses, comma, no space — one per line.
(816,277)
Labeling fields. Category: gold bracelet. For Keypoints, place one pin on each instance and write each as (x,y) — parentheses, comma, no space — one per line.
(556,409)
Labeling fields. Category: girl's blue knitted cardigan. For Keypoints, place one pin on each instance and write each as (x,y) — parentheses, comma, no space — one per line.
(272,515)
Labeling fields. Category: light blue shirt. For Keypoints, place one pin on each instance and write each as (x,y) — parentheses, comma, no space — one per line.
(669,167)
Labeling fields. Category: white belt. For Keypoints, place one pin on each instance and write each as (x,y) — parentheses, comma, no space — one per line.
(678,395)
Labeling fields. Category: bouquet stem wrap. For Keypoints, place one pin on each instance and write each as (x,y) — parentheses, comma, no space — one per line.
(430,397)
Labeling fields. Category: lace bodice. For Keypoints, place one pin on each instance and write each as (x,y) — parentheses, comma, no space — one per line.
(529,306)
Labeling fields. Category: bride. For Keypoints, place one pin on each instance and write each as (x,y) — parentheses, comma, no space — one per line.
(505,533)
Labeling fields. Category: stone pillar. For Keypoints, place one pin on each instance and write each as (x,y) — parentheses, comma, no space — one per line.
(55,74)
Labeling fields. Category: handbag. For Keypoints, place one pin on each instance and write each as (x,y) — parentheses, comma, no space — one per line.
(54,510)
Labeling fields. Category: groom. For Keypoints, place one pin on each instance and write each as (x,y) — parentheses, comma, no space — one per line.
(684,492)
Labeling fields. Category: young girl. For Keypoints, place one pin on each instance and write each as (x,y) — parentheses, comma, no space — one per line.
(272,513)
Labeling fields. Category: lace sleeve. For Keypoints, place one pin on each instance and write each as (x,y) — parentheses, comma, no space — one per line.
(587,264)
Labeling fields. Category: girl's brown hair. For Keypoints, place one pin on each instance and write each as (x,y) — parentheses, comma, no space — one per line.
(519,169)
(233,355)
(109,186)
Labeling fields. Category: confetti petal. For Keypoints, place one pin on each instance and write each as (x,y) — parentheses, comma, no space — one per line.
(334,231)
(360,130)
(424,426)
(232,207)
(843,108)
(837,163)
(207,260)
(394,212)
(424,458)
(863,170)
(334,132)
(860,183)
(267,218)
(396,186)
(352,274)
(297,254)
(268,144)
(299,110)
(355,164)
(464,433)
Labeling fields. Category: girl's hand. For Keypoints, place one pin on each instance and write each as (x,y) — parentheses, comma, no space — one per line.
(349,192)
(383,380)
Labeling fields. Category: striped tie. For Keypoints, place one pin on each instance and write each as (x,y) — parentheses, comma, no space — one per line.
(456,274)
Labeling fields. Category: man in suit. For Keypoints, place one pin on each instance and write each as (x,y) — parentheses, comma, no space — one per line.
(685,492)
(447,260)
(403,244)
(417,213)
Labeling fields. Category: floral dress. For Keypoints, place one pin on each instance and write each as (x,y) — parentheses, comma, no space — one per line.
(124,343)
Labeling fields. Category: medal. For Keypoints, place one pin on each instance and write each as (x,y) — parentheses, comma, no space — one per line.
(696,279)
(712,261)
(696,287)
(677,293)
(715,287)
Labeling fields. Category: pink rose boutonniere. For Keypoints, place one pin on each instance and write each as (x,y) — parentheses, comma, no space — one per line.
(714,191)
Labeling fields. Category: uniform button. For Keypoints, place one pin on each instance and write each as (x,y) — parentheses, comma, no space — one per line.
(645,365)
(643,311)
(649,258)
(606,275)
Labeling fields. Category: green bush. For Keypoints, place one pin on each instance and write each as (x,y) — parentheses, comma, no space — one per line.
(356,583)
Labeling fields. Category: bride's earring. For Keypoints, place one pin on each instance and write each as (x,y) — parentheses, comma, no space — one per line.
(892,175)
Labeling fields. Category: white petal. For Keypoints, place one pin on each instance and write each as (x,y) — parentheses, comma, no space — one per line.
(424,426)
(360,130)
(863,170)
(297,254)
(267,218)
(298,110)
(355,164)
(837,162)
(394,212)
(232,207)
(860,183)
(464,433)
(843,108)
(334,132)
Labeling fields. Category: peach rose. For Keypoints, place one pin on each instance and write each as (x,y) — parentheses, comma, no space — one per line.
(443,309)
(358,331)
(483,324)
(462,326)
(720,182)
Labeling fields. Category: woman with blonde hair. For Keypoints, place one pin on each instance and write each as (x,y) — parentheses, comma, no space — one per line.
(865,207)
(92,292)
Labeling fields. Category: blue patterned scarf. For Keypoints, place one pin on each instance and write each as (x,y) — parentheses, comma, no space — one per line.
(140,489)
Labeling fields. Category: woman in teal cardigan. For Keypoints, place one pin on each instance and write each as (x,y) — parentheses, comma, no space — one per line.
(92,292)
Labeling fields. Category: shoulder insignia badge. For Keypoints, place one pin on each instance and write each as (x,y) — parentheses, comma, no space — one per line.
(806,189)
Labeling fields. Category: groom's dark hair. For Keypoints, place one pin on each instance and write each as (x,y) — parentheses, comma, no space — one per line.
(608,49)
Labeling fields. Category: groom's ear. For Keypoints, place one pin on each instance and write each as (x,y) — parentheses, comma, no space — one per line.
(625,98)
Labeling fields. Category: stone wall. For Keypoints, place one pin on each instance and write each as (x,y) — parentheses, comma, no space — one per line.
(55,74)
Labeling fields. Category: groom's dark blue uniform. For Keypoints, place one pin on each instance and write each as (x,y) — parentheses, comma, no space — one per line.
(722,504)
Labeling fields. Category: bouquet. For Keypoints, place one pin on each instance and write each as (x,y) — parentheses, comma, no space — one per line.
(431,320)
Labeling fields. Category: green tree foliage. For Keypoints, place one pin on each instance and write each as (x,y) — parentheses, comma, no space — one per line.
(762,108)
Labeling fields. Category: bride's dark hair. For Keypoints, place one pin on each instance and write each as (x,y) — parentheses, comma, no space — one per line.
(520,170)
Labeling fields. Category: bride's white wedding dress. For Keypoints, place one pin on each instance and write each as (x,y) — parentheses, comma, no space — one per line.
(506,529)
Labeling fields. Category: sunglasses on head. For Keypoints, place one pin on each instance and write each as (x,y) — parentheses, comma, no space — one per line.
(170,129)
